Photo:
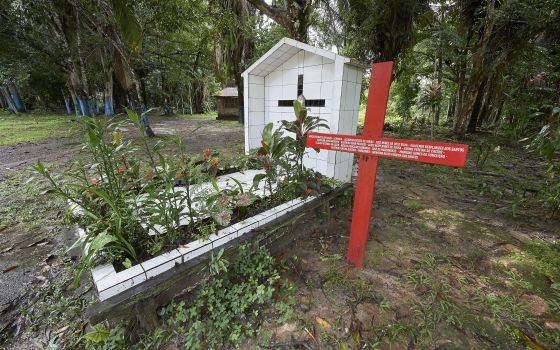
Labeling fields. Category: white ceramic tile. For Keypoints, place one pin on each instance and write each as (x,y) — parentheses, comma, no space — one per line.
(133,272)
(274,78)
(194,249)
(311,74)
(102,271)
(256,104)
(257,91)
(312,59)
(345,73)
(327,73)
(311,90)
(289,92)
(344,96)
(290,77)
(327,91)
(121,287)
(255,133)
(161,263)
(322,167)
(309,163)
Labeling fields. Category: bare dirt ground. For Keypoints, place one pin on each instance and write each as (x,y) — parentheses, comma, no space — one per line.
(196,134)
(33,239)
(455,259)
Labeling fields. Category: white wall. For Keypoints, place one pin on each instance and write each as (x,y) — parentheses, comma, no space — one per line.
(351,83)
(323,78)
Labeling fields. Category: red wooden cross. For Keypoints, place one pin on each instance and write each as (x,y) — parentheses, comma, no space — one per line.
(370,146)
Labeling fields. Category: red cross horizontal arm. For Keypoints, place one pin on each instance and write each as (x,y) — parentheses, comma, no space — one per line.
(442,153)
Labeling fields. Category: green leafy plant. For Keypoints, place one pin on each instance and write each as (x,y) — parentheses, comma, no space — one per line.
(301,126)
(272,156)
(226,310)
(103,196)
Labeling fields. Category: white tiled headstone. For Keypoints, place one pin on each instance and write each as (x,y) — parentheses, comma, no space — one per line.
(326,76)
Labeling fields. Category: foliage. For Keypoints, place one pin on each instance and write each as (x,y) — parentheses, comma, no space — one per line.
(547,143)
(120,197)
(301,126)
(103,195)
(226,310)
(272,156)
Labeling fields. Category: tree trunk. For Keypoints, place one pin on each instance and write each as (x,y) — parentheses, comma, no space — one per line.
(479,72)
(439,61)
(476,107)
(294,17)
(11,105)
(451,109)
(16,98)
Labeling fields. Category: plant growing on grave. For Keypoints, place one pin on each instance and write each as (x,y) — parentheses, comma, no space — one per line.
(272,156)
(301,126)
(312,183)
(227,308)
(221,203)
(106,199)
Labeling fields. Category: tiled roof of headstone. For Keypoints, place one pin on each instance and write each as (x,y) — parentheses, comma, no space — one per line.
(283,51)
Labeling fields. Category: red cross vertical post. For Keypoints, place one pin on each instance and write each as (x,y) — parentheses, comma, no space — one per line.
(370,146)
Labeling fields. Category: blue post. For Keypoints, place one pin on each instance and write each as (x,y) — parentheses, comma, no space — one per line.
(77,107)
(18,102)
(67,104)
(108,108)
(85,107)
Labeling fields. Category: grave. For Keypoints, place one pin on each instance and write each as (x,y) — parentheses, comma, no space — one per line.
(330,84)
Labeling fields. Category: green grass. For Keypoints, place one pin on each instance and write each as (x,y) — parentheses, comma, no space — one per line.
(389,118)
(25,128)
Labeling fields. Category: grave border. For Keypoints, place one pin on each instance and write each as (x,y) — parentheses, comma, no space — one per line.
(143,299)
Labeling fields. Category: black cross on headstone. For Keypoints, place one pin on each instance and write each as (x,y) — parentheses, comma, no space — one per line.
(308,103)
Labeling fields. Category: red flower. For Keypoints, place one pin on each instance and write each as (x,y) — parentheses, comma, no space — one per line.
(206,153)
(213,163)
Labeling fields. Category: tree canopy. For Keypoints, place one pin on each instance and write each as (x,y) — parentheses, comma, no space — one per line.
(464,64)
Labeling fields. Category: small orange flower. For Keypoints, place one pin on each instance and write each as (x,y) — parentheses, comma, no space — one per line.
(180,175)
(308,191)
(121,170)
(213,163)
(206,153)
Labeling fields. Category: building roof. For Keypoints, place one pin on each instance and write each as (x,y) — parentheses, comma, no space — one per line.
(230,91)
(284,50)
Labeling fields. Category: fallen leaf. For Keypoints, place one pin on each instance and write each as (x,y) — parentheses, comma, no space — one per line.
(61,330)
(39,243)
(7,249)
(322,322)
(2,228)
(531,343)
(9,268)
